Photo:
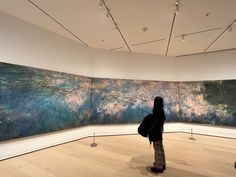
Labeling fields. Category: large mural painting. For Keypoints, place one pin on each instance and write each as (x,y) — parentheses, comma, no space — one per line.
(210,102)
(128,101)
(35,101)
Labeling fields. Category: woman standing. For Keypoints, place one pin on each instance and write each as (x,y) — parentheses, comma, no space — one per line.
(155,135)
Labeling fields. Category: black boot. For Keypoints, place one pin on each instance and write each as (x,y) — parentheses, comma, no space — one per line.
(164,166)
(156,170)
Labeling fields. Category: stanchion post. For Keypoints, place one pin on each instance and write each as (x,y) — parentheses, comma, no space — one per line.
(191,137)
(93,144)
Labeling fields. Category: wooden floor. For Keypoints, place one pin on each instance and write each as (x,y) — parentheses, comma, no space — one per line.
(127,156)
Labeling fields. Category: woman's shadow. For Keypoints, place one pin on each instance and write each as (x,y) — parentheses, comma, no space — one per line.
(140,163)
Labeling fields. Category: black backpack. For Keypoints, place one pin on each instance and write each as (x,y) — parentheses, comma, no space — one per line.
(145,125)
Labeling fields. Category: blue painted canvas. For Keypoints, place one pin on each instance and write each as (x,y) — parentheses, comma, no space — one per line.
(128,101)
(35,101)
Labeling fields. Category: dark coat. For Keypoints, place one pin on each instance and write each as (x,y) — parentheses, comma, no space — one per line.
(156,129)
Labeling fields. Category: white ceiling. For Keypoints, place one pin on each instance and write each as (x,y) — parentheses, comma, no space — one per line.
(204,23)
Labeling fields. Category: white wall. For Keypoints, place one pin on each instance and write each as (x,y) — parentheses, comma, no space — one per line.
(25,44)
(209,66)
(133,66)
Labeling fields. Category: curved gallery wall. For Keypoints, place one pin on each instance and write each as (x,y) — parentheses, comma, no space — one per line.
(35,101)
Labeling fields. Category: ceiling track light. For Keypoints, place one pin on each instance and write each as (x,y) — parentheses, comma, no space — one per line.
(100,4)
(230,28)
(177,6)
(108,13)
(116,26)
(183,38)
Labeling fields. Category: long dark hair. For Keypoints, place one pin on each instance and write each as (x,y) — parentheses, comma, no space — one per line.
(158,106)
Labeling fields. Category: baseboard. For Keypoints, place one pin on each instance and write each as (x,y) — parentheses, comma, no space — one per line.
(12,148)
(210,130)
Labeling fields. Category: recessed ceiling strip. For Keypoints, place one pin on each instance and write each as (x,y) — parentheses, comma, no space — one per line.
(56,21)
(147,42)
(206,52)
(172,26)
(197,32)
(117,48)
(219,36)
(116,26)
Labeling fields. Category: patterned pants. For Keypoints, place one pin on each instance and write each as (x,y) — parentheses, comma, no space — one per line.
(159,154)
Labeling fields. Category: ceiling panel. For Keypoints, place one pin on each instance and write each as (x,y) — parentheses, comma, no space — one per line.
(198,15)
(158,48)
(141,23)
(133,16)
(86,20)
(195,43)
(24,10)
(226,41)
(123,49)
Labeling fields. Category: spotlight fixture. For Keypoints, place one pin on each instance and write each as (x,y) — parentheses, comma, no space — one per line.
(177,6)
(116,26)
(183,38)
(230,28)
(100,4)
(108,13)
